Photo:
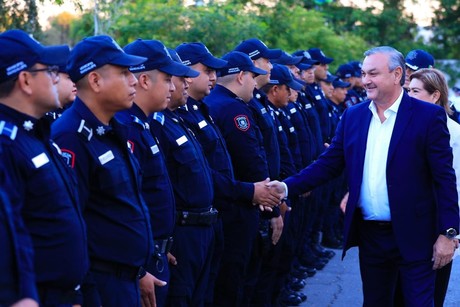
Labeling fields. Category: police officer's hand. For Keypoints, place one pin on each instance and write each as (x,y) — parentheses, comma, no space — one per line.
(147,285)
(171,259)
(443,251)
(265,196)
(26,302)
(283,209)
(277,225)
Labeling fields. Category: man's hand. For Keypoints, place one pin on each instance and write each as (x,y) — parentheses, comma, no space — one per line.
(25,302)
(277,225)
(264,196)
(147,286)
(443,250)
(284,208)
(171,259)
(278,187)
(343,203)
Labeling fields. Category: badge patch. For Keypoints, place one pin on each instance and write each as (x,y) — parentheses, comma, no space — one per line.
(242,122)
(108,156)
(40,160)
(131,146)
(202,124)
(69,157)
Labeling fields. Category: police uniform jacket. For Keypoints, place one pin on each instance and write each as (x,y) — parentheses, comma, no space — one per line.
(109,180)
(265,121)
(304,135)
(156,185)
(322,109)
(195,115)
(187,166)
(43,191)
(307,101)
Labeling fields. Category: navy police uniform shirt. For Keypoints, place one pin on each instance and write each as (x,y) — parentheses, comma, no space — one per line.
(196,116)
(322,109)
(287,157)
(265,121)
(17,279)
(156,185)
(242,136)
(305,138)
(307,101)
(352,98)
(43,191)
(187,166)
(109,180)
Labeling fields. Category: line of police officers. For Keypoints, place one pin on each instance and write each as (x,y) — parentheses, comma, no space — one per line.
(150,189)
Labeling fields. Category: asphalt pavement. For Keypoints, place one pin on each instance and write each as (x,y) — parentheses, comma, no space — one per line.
(339,283)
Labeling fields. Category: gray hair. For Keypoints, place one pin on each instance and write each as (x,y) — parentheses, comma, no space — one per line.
(395,59)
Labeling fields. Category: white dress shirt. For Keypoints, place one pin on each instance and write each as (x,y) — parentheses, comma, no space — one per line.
(373,199)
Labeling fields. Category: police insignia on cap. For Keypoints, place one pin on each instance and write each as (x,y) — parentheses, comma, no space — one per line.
(242,122)
(412,55)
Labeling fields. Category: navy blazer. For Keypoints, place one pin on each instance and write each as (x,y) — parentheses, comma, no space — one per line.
(420,178)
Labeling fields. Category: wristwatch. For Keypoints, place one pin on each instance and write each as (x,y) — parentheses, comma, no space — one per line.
(450,233)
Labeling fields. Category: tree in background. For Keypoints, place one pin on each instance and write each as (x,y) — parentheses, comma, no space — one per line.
(446,26)
(19,14)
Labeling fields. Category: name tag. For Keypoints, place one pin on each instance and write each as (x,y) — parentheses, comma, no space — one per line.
(40,160)
(181,140)
(293,110)
(108,156)
(318,97)
(202,124)
(307,106)
(154,149)
(263,110)
(291,129)
(280,128)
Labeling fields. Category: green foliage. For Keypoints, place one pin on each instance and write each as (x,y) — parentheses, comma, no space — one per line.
(19,14)
(447,29)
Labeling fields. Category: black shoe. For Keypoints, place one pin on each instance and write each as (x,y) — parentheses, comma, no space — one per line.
(332,242)
(322,252)
(298,274)
(296,284)
(313,262)
(288,298)
(310,270)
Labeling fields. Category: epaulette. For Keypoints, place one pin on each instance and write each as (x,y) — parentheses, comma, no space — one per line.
(8,130)
(139,122)
(159,117)
(85,130)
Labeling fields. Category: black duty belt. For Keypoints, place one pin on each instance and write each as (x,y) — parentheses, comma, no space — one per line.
(187,218)
(163,246)
(122,271)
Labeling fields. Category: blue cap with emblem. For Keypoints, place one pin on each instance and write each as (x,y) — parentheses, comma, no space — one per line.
(345,71)
(306,57)
(158,57)
(417,59)
(236,62)
(191,73)
(96,51)
(256,49)
(318,55)
(280,74)
(357,66)
(338,83)
(287,59)
(193,53)
(19,51)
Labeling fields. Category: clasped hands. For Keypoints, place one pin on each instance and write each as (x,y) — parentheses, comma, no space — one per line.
(268,194)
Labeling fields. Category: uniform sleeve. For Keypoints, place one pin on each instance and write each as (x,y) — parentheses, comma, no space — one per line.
(232,190)
(76,154)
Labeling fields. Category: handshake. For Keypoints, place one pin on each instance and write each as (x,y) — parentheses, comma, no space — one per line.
(268,194)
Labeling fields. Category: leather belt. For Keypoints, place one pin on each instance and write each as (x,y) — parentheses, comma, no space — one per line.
(187,218)
(123,271)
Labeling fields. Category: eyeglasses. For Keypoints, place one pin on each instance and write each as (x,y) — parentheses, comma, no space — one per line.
(53,71)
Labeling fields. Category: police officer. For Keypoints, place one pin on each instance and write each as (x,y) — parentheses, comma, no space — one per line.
(153,91)
(358,87)
(346,72)
(41,186)
(415,60)
(95,145)
(193,188)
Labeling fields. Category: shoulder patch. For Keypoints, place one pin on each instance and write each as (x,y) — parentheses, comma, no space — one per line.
(8,130)
(242,122)
(131,146)
(69,157)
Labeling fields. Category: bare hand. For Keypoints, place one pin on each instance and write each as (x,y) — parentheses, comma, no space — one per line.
(284,208)
(25,302)
(326,145)
(277,225)
(265,208)
(147,286)
(265,196)
(443,251)
(171,259)
(343,203)
(278,187)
